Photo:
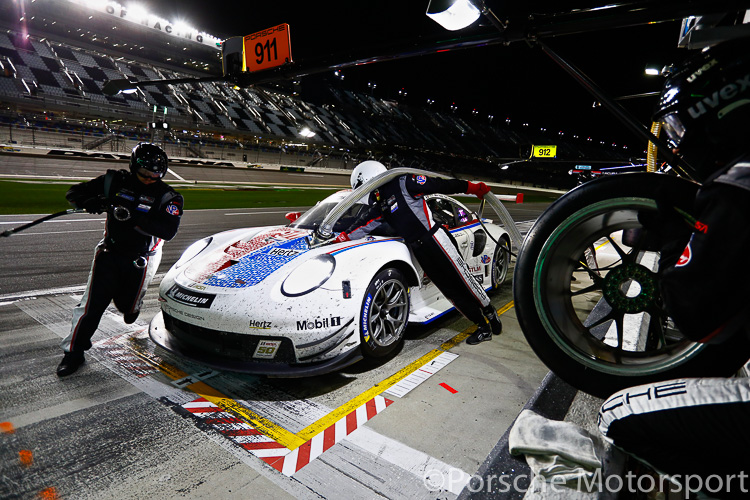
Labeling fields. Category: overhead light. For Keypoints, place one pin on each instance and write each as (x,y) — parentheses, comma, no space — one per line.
(453,14)
(653,71)
(306,132)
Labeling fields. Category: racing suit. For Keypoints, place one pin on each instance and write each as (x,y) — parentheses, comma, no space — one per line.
(401,204)
(139,217)
(699,427)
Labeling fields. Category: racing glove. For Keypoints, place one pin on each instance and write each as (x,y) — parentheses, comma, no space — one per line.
(478,189)
(94,205)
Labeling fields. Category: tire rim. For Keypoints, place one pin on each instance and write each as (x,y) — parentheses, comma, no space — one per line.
(388,313)
(606,312)
(500,263)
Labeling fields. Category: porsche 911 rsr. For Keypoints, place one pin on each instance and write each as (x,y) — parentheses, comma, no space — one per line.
(262,300)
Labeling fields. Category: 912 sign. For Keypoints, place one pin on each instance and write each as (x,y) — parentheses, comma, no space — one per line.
(268,48)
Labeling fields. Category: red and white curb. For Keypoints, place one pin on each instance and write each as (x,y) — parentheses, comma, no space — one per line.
(274,454)
(420,375)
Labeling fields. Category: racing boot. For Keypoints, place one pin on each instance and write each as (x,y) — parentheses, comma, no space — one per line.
(481,334)
(491,314)
(70,363)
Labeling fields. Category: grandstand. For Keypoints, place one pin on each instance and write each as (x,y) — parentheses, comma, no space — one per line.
(51,78)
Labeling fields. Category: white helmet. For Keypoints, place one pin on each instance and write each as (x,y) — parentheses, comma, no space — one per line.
(366,171)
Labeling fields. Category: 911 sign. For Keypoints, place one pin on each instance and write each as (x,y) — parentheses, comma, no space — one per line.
(267,48)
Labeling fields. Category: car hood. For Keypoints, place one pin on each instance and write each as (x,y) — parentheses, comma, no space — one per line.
(250,259)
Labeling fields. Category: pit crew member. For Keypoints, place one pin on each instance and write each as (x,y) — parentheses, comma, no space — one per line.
(142,212)
(400,202)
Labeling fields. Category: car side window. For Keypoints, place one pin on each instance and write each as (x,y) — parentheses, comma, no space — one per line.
(442,212)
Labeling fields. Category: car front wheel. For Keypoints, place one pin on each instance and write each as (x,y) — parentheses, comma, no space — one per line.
(384,313)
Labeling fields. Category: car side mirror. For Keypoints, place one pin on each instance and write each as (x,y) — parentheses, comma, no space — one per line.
(293,216)
(480,240)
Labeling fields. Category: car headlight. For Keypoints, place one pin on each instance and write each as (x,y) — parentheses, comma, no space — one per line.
(308,276)
(192,251)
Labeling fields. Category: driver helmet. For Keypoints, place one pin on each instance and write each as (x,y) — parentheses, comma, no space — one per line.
(366,171)
(705,107)
(149,160)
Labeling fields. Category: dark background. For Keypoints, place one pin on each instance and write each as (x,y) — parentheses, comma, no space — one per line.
(515,81)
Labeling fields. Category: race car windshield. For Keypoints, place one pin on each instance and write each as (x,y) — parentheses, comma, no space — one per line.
(315,216)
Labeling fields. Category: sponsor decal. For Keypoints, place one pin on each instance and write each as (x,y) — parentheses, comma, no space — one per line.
(284,252)
(189,297)
(143,208)
(720,97)
(485,259)
(686,257)
(319,323)
(479,278)
(173,209)
(146,199)
(125,195)
(366,318)
(421,179)
(477,269)
(197,286)
(260,325)
(394,207)
(701,227)
(267,349)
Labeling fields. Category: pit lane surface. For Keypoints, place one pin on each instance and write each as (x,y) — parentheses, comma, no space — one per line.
(137,422)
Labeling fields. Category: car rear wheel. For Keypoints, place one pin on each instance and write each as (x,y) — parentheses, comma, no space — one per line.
(384,314)
(500,262)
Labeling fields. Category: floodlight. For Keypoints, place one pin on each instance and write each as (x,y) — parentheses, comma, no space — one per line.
(453,14)
(306,132)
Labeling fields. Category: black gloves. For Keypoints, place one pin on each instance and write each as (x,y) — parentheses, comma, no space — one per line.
(95,205)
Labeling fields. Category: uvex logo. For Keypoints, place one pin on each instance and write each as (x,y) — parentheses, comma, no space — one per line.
(728,92)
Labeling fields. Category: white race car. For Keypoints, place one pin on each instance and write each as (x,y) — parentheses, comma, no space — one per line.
(261,300)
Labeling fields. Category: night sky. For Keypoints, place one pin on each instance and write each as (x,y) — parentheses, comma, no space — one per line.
(516,81)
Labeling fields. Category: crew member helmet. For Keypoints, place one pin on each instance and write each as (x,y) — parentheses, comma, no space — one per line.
(366,171)
(705,107)
(149,160)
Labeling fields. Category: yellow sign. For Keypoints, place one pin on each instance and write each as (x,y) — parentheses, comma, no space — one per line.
(267,48)
(544,151)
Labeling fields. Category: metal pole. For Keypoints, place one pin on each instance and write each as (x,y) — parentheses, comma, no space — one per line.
(620,113)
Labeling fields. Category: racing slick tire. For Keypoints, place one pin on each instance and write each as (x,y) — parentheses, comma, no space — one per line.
(500,262)
(384,314)
(574,315)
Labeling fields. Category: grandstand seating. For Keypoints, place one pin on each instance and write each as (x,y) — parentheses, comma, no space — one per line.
(56,74)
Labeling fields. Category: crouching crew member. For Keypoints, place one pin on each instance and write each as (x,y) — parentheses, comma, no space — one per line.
(142,212)
(400,202)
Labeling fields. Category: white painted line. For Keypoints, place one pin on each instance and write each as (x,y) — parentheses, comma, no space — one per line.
(99,230)
(64,221)
(175,174)
(413,461)
(426,371)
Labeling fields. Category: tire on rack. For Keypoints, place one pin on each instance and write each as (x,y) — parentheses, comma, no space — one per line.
(384,314)
(574,316)
(500,262)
